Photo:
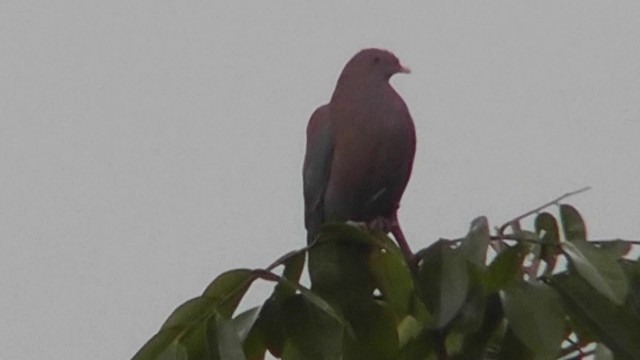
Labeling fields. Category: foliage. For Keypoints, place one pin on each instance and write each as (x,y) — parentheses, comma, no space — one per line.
(544,293)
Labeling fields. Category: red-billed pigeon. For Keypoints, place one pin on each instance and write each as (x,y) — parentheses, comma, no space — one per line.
(360,149)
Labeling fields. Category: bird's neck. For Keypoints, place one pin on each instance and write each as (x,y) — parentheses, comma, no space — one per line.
(362,90)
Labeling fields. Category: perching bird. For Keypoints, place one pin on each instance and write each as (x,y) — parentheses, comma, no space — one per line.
(360,149)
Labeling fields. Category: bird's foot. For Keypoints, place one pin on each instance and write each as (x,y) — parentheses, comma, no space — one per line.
(357,224)
(380,223)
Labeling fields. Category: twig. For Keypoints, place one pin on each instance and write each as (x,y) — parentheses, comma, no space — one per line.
(539,208)
(521,239)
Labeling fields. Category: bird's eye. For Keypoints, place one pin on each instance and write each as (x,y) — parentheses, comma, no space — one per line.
(376,59)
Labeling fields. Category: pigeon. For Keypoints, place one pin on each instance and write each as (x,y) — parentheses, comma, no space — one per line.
(360,150)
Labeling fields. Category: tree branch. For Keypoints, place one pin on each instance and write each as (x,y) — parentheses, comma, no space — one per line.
(539,208)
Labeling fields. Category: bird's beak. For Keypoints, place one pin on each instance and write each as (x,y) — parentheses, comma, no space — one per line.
(404,70)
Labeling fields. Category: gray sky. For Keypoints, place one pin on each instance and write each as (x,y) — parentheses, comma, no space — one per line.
(147,146)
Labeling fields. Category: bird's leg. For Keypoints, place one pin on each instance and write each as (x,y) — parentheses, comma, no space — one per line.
(412,261)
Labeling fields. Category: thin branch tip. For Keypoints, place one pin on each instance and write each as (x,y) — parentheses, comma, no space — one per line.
(537,210)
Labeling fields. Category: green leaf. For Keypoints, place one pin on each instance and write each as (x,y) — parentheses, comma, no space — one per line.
(270,326)
(311,333)
(191,312)
(535,314)
(408,330)
(318,302)
(547,226)
(603,353)
(292,271)
(505,269)
(195,340)
(616,248)
(255,346)
(470,316)
(393,278)
(269,330)
(223,340)
(163,345)
(600,269)
(188,322)
(244,322)
(339,270)
(615,326)
(420,347)
(443,281)
(490,329)
(572,223)
(228,289)
(512,347)
(632,271)
(375,334)
(475,245)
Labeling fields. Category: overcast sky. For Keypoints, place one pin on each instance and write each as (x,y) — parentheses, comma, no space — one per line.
(147,146)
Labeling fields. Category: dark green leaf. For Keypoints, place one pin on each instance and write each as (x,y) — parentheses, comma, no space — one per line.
(470,316)
(292,270)
(311,333)
(228,289)
(269,330)
(616,248)
(408,330)
(191,312)
(255,346)
(572,223)
(195,340)
(505,269)
(393,278)
(512,348)
(173,352)
(603,353)
(632,271)
(475,245)
(535,314)
(183,334)
(270,326)
(477,343)
(163,345)
(223,340)
(615,326)
(443,281)
(420,347)
(318,302)
(374,327)
(339,269)
(245,321)
(599,268)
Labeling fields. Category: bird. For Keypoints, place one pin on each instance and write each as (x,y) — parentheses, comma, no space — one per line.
(360,149)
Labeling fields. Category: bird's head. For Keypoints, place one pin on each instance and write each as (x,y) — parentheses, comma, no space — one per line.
(375,63)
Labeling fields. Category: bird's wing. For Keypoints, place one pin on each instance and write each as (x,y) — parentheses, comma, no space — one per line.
(393,165)
(317,166)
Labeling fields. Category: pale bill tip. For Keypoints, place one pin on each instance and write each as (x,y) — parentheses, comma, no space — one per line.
(404,69)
